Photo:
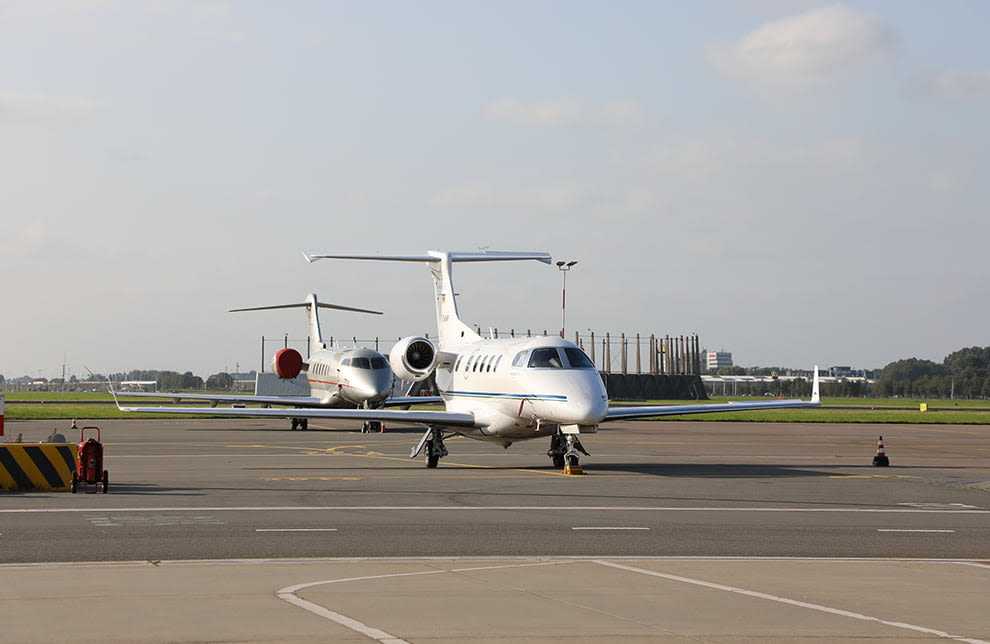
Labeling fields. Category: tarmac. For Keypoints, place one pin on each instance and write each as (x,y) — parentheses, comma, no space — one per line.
(242,531)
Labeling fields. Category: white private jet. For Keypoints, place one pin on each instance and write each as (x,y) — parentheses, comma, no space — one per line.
(338,378)
(501,390)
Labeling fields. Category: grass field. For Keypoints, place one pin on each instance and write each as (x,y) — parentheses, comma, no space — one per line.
(98,405)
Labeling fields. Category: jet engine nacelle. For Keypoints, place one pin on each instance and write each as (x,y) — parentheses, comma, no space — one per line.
(413,359)
(287,363)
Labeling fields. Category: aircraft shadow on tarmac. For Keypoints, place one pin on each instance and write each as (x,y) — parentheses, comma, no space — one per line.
(709,470)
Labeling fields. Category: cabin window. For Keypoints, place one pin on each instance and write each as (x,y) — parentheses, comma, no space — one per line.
(546,358)
(497,360)
(457,363)
(578,358)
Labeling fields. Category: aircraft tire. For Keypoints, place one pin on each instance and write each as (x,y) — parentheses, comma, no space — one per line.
(558,460)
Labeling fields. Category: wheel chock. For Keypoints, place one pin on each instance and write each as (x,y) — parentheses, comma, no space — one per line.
(573,470)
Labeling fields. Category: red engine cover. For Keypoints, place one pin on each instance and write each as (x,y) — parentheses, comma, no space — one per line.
(287,363)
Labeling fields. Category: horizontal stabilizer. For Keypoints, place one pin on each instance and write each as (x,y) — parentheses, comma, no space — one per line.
(302,305)
(485,256)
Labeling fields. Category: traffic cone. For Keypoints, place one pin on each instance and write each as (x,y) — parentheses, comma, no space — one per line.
(382,430)
(880,460)
(73,424)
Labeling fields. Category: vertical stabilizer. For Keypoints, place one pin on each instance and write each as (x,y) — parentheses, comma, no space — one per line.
(450,328)
(312,305)
(315,334)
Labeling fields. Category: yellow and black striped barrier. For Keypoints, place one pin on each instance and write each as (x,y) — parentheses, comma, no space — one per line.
(30,466)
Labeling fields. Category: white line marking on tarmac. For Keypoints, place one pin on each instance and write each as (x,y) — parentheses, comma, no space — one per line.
(607,528)
(791,602)
(296,530)
(288,594)
(513,508)
(906,530)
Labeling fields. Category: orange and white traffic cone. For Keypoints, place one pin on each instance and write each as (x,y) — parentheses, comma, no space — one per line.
(880,460)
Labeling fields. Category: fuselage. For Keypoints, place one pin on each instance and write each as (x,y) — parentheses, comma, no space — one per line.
(349,377)
(521,388)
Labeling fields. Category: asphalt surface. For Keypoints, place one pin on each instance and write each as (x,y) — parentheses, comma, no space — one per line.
(665,511)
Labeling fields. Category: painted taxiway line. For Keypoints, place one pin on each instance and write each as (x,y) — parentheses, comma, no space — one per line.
(607,528)
(909,530)
(791,602)
(296,530)
(289,595)
(494,508)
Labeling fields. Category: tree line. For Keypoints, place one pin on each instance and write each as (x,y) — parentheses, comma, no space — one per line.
(962,374)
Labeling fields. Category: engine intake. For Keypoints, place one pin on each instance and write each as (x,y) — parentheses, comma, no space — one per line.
(287,363)
(413,359)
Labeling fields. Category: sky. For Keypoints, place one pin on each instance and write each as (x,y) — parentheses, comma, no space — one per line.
(798,183)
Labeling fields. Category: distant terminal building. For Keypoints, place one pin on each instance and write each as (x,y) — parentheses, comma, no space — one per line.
(718,359)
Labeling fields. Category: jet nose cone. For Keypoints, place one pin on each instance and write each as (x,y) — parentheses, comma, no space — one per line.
(369,385)
(589,411)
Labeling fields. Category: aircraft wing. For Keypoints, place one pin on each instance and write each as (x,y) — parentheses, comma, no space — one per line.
(214,399)
(445,418)
(292,401)
(621,413)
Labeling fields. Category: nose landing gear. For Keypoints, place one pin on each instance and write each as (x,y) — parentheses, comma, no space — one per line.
(564,450)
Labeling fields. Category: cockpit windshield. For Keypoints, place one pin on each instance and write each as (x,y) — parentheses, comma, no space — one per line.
(365,363)
(578,358)
(553,358)
(546,358)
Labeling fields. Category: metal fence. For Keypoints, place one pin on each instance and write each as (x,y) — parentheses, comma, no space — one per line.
(621,353)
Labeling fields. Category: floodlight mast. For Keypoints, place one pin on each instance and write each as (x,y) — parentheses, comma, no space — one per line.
(564,266)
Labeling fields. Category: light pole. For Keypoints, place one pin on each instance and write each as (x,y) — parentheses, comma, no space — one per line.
(564,267)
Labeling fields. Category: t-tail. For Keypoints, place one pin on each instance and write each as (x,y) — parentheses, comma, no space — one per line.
(312,306)
(449,325)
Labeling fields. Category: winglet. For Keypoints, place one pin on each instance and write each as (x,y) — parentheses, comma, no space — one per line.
(815,396)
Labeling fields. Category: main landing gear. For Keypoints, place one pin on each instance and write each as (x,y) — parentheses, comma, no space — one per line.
(301,423)
(371,426)
(564,450)
(432,444)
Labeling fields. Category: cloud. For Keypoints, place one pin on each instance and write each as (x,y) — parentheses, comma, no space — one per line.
(549,113)
(813,48)
(23,108)
(564,112)
(468,195)
(24,241)
(949,85)
(622,112)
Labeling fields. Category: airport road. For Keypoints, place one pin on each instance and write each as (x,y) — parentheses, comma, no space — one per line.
(678,532)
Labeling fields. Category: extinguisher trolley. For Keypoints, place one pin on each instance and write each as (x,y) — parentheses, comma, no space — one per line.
(90,470)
